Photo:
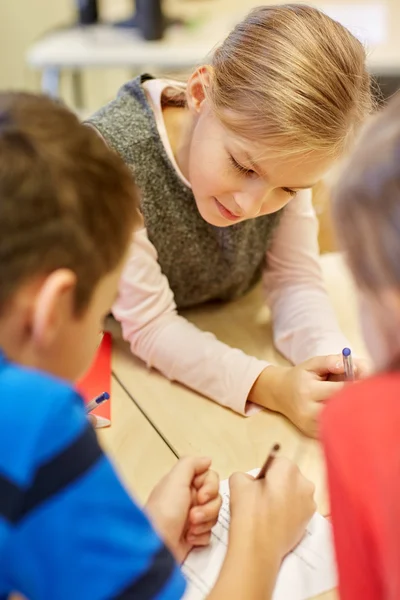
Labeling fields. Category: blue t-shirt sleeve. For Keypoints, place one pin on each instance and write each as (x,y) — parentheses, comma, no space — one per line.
(78,534)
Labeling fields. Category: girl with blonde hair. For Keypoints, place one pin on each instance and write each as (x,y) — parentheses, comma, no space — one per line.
(224,165)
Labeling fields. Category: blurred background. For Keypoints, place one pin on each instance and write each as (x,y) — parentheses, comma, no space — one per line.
(83,50)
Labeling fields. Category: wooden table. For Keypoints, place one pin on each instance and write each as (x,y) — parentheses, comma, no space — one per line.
(165,420)
(139,453)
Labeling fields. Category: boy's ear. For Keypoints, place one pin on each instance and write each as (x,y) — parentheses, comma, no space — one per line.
(54,307)
(195,90)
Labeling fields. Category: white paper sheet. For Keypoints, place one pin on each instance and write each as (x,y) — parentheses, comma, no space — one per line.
(308,571)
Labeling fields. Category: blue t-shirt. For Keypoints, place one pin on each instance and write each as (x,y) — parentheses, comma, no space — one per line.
(68,529)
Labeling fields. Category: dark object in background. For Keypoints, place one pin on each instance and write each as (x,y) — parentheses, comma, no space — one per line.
(88,13)
(149,19)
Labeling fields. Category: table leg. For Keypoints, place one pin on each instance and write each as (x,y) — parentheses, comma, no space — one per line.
(77,89)
(51,81)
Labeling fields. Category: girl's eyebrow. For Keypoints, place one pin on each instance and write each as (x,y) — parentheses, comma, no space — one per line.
(259,170)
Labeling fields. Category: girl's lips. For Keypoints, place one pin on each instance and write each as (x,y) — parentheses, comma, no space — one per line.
(227,214)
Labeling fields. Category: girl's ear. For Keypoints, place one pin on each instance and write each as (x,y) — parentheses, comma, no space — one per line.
(54,308)
(195,90)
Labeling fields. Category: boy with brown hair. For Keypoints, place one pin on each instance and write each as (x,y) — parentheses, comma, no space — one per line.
(68,529)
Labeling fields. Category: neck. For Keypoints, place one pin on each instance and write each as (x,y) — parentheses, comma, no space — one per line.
(12,341)
(179,124)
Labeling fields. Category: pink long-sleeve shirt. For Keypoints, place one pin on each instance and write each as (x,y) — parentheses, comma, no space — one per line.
(304,323)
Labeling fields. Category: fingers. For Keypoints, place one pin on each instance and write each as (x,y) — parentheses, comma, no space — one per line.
(98,422)
(237,481)
(309,496)
(362,368)
(333,365)
(325,365)
(239,478)
(332,377)
(201,520)
(189,467)
(199,540)
(324,390)
(200,529)
(199,515)
(207,485)
(309,403)
(284,476)
(309,491)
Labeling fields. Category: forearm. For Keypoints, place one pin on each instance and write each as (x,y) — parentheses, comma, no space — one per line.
(266,390)
(304,321)
(249,571)
(305,324)
(184,353)
(159,336)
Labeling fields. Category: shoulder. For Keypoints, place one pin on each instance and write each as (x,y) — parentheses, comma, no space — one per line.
(33,391)
(39,416)
(127,119)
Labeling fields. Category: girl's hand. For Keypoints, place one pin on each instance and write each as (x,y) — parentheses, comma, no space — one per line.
(184,506)
(299,392)
(362,369)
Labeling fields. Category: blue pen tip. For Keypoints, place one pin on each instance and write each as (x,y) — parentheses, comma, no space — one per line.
(346,351)
(106,395)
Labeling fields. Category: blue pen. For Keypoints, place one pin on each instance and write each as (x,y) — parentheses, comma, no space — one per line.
(348,364)
(97,401)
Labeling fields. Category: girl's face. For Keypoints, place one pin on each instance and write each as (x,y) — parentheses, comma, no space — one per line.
(231,183)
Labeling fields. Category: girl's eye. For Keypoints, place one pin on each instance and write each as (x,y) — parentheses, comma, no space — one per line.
(290,192)
(240,169)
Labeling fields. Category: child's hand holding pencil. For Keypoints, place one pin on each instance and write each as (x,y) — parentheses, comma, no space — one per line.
(280,496)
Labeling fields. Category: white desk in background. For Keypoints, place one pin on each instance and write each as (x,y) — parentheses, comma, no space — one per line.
(376,23)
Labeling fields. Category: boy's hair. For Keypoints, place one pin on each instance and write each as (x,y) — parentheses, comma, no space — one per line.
(66,200)
(291,78)
(366,203)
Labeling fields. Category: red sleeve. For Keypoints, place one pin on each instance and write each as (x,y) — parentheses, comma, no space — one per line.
(355,550)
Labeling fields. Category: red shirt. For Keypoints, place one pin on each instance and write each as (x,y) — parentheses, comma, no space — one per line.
(361,435)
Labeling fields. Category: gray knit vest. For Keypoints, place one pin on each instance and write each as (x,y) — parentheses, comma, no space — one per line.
(201,262)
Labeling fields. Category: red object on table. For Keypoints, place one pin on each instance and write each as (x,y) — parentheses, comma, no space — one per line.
(98,379)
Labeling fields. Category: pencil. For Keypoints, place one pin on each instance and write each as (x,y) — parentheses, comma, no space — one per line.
(268,462)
